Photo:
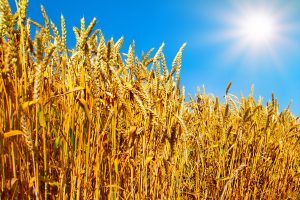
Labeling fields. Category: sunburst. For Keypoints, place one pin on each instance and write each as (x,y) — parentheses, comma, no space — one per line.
(256,32)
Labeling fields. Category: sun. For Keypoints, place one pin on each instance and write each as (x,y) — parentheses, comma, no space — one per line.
(255,33)
(258,28)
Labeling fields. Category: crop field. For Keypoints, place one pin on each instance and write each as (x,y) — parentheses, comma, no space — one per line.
(96,123)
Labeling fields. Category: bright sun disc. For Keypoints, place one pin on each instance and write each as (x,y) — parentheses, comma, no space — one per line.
(258,28)
(255,34)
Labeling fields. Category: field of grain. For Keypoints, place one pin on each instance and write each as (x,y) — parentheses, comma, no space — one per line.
(94,123)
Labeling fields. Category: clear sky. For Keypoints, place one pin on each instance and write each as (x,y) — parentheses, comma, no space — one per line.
(246,42)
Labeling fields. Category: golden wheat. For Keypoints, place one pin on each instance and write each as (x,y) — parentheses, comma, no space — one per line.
(101,124)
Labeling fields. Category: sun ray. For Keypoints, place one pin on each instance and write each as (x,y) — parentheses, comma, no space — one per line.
(255,33)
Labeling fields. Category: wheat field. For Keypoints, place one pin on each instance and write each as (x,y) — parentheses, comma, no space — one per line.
(96,123)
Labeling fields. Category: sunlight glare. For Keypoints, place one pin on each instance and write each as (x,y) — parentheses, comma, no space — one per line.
(258,28)
(255,33)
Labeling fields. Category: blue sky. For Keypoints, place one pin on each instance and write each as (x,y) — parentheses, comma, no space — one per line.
(209,58)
